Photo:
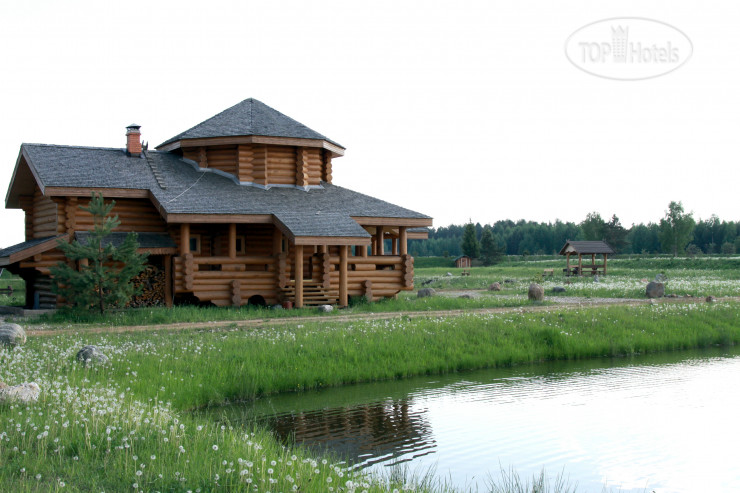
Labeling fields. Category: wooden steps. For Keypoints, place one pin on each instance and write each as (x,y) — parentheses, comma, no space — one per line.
(314,293)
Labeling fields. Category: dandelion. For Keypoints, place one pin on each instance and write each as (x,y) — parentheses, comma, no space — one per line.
(215,447)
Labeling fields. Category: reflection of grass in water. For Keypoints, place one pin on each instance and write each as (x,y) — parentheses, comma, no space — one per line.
(511,482)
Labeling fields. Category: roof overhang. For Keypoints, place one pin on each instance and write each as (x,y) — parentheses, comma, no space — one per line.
(336,150)
(34,248)
(412,222)
(23,182)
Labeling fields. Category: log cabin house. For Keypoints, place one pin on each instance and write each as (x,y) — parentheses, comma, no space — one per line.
(238,209)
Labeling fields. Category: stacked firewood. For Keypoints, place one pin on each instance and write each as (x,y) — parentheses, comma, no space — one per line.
(150,285)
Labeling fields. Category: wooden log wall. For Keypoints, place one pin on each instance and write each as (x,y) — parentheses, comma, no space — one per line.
(267,164)
(42,289)
(135,215)
(44,261)
(44,216)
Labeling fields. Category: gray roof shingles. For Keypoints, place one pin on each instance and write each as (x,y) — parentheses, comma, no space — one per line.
(322,211)
(8,251)
(250,117)
(588,247)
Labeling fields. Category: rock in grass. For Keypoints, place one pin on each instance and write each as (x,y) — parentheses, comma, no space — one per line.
(710,299)
(91,355)
(558,289)
(25,393)
(655,290)
(536,292)
(426,292)
(12,335)
(495,287)
(326,308)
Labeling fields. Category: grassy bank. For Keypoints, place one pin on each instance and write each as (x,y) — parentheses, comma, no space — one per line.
(130,418)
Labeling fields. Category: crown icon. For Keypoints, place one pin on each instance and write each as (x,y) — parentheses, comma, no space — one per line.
(619,43)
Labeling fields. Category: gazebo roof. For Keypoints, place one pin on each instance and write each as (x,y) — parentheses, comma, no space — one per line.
(586,247)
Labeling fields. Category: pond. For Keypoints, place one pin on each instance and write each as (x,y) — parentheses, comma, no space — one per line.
(659,423)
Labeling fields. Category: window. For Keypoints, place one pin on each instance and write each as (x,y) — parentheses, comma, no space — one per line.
(194,243)
(241,244)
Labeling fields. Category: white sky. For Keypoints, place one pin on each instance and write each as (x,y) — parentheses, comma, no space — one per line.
(455,109)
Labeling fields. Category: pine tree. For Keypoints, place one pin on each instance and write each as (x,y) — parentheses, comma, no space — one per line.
(470,245)
(106,271)
(491,251)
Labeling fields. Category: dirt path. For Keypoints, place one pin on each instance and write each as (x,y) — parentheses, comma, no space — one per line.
(561,303)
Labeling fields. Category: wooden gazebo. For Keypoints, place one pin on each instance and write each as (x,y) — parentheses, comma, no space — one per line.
(582,248)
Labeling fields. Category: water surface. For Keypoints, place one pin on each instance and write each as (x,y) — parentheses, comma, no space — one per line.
(662,422)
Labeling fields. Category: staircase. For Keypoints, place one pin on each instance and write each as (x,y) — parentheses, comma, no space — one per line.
(314,293)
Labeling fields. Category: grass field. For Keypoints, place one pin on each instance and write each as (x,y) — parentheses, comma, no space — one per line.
(130,425)
(132,420)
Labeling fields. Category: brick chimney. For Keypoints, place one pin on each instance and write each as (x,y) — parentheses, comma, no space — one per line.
(133,140)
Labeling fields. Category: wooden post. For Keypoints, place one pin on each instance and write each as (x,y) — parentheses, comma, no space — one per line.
(394,246)
(580,264)
(363,251)
(277,242)
(379,240)
(299,276)
(567,264)
(343,275)
(403,241)
(168,281)
(184,238)
(604,264)
(232,240)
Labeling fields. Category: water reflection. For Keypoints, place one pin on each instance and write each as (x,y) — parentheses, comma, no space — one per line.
(364,434)
(660,422)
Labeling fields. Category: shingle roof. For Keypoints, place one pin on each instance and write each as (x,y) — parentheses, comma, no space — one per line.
(8,251)
(250,117)
(587,247)
(322,211)
(145,240)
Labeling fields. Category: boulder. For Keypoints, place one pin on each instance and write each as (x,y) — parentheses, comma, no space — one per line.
(558,289)
(655,289)
(536,292)
(12,335)
(495,287)
(25,393)
(711,299)
(423,293)
(91,355)
(326,308)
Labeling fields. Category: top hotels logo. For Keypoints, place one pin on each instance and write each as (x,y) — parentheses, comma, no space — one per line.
(628,48)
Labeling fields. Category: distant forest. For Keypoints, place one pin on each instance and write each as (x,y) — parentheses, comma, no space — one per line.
(532,238)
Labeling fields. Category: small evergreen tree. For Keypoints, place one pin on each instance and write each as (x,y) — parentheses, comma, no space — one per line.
(470,245)
(106,279)
(490,249)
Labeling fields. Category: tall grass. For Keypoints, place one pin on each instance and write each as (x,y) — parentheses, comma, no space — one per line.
(125,426)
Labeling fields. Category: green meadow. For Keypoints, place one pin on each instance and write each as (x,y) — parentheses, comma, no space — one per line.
(130,426)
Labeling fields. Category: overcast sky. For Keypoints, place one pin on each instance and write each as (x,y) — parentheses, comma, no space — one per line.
(460,110)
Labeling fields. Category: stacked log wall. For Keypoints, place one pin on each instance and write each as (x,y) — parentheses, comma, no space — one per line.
(44,213)
(135,215)
(266,164)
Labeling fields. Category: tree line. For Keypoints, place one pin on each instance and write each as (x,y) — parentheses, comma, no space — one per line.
(676,233)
